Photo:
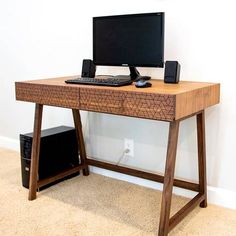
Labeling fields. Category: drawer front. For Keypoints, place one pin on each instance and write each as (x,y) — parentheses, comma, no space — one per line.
(61,96)
(28,92)
(106,101)
(136,104)
(150,106)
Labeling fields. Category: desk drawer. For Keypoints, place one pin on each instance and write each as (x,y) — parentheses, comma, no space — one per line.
(60,96)
(136,104)
(107,101)
(28,92)
(48,95)
(150,106)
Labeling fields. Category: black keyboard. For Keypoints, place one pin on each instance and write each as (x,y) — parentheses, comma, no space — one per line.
(115,81)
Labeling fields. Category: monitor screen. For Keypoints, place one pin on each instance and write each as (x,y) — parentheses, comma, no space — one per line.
(129,40)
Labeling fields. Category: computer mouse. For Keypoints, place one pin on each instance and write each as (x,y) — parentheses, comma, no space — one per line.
(143,84)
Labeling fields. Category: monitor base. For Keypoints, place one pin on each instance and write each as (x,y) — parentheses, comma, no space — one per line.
(135,75)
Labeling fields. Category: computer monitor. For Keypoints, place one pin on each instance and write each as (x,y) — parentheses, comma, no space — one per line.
(135,40)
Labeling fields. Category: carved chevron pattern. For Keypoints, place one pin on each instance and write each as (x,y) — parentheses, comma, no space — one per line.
(127,103)
(136,104)
(61,96)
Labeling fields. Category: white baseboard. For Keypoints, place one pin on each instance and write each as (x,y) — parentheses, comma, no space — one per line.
(222,197)
(217,196)
(10,143)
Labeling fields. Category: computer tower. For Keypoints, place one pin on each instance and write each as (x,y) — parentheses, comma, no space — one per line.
(58,151)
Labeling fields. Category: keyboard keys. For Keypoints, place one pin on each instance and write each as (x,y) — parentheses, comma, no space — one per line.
(110,81)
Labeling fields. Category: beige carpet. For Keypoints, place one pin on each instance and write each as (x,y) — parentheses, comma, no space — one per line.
(95,205)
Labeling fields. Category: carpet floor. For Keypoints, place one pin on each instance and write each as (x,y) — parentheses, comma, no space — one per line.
(95,205)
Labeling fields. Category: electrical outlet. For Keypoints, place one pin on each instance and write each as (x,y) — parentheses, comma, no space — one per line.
(129,145)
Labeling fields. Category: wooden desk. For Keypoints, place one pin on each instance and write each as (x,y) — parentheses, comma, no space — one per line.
(166,102)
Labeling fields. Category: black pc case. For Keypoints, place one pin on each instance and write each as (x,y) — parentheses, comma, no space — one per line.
(58,151)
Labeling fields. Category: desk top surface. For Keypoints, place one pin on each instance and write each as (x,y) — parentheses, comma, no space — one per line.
(161,101)
(158,86)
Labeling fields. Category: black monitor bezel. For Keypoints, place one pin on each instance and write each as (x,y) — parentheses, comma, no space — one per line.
(160,64)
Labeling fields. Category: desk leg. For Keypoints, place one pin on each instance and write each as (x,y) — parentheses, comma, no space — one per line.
(202,156)
(35,151)
(80,138)
(168,178)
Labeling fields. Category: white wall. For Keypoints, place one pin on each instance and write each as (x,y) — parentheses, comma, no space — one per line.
(40,39)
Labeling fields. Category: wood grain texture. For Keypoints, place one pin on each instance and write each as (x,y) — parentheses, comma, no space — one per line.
(80,140)
(168,178)
(196,100)
(162,101)
(202,157)
(142,174)
(35,152)
(175,219)
(60,175)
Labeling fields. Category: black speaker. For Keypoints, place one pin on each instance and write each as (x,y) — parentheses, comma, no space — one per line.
(88,68)
(172,72)
(58,152)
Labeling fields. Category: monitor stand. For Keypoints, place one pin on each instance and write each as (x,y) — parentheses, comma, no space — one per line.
(135,75)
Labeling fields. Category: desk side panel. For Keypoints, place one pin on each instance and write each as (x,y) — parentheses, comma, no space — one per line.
(52,95)
(196,100)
